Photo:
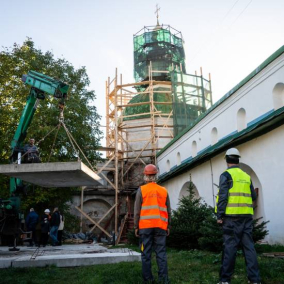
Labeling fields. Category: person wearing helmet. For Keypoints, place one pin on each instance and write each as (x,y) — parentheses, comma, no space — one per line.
(234,208)
(45,227)
(152,214)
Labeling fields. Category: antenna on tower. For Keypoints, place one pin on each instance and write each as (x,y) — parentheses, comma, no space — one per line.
(157,12)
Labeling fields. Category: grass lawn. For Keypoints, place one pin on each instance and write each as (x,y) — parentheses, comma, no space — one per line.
(184,267)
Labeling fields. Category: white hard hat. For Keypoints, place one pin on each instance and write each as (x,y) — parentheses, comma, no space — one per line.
(233,152)
(46,211)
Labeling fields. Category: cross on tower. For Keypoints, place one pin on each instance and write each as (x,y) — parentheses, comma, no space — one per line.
(157,12)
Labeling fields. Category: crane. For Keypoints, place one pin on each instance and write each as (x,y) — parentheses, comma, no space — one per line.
(40,86)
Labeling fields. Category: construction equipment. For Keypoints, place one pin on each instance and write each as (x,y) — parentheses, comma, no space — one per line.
(41,85)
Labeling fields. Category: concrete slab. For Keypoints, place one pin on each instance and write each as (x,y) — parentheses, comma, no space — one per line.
(73,260)
(66,256)
(68,174)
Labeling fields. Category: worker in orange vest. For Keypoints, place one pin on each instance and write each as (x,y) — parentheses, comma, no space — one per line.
(152,213)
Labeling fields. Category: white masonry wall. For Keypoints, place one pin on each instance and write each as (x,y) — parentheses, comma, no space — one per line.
(262,158)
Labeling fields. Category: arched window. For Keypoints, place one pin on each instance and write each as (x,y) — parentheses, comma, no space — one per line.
(168,165)
(194,149)
(241,119)
(178,159)
(278,96)
(214,136)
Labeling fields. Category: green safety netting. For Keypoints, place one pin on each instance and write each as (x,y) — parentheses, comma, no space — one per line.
(191,97)
(157,97)
(162,48)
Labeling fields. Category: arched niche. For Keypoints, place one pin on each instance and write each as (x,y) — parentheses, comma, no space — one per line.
(278,96)
(194,149)
(241,119)
(185,190)
(214,136)
(168,165)
(178,159)
(96,209)
(259,209)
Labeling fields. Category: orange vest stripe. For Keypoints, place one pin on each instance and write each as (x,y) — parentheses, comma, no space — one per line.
(154,213)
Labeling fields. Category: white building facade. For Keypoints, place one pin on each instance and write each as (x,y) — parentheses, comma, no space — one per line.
(250,117)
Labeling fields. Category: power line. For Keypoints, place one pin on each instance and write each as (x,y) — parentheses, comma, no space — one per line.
(214,32)
(229,26)
(241,13)
(230,10)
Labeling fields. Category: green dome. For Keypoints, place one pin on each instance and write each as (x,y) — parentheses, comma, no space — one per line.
(158,97)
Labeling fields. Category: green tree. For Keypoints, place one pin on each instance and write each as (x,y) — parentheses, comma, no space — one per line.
(80,114)
(186,221)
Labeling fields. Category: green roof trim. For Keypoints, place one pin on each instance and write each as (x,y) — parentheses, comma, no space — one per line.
(264,64)
(271,121)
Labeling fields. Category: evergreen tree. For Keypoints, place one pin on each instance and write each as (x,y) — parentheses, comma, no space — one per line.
(186,221)
(194,226)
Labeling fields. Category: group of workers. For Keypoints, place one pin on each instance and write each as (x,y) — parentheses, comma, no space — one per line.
(51,226)
(234,209)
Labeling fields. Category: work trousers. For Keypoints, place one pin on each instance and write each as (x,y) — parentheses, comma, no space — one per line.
(44,239)
(33,240)
(238,231)
(153,239)
(53,235)
(59,237)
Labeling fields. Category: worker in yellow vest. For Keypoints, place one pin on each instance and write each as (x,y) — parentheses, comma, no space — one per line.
(234,208)
(152,213)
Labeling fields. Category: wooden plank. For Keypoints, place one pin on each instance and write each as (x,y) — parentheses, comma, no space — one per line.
(94,222)
(121,230)
(102,218)
(144,83)
(140,126)
(139,114)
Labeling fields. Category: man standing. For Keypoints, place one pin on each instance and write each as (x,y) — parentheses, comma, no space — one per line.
(151,222)
(31,222)
(234,208)
(54,224)
(31,152)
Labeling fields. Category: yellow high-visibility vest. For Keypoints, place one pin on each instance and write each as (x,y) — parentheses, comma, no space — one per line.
(239,199)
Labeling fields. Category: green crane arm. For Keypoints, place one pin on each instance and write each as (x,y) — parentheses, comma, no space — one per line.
(40,86)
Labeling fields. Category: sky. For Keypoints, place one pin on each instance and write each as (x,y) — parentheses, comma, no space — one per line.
(228,38)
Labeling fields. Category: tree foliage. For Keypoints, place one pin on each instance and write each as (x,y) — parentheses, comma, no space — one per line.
(194,226)
(80,113)
(186,221)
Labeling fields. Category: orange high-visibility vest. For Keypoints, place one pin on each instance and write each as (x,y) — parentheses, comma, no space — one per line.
(154,213)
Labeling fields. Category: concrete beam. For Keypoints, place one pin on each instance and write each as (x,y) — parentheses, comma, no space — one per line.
(68,174)
(74,260)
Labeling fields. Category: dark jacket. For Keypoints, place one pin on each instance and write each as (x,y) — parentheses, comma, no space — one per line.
(45,226)
(225,184)
(31,221)
(55,219)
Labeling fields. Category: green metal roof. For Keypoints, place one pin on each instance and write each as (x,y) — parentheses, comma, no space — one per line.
(271,121)
(269,60)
